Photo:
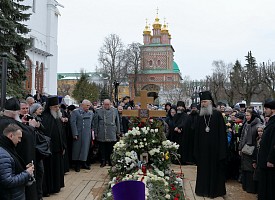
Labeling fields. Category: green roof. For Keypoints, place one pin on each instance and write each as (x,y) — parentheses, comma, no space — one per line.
(157,71)
(175,67)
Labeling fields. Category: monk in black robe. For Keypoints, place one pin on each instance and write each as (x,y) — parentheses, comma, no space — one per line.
(189,137)
(180,130)
(266,156)
(210,150)
(54,164)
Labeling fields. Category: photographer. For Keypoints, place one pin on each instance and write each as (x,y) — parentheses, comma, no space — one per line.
(26,148)
(14,174)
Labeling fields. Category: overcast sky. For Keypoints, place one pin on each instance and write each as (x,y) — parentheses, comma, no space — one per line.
(202,30)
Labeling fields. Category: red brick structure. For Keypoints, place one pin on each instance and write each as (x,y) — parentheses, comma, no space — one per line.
(158,71)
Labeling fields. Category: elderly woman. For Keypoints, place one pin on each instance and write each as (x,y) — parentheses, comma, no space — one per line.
(247,145)
(35,111)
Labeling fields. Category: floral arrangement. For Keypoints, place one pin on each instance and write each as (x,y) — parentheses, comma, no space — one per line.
(160,181)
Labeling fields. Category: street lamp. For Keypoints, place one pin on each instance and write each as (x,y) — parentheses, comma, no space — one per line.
(4,79)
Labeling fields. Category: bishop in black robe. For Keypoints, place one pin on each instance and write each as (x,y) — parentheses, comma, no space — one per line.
(210,150)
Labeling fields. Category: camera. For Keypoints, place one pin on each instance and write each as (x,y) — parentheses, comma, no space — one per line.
(28,117)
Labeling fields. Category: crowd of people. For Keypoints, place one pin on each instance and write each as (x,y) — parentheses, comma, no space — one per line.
(42,139)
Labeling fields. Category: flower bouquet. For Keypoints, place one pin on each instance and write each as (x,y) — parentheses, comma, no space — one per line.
(159,180)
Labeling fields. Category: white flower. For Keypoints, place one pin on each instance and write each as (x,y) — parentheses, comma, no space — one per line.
(161,173)
(156,130)
(167,196)
(137,128)
(109,194)
(135,141)
(144,139)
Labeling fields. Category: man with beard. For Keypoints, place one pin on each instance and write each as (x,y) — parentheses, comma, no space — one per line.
(81,125)
(106,128)
(180,130)
(26,148)
(266,156)
(54,164)
(210,149)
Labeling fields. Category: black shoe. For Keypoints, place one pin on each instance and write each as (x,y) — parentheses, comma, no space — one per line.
(85,166)
(77,168)
(103,164)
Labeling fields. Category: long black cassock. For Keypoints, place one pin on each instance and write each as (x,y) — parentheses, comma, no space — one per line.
(267,154)
(54,165)
(210,151)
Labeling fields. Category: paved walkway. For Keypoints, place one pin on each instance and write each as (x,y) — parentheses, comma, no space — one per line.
(90,184)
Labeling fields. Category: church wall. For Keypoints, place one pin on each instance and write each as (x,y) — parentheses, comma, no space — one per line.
(43,25)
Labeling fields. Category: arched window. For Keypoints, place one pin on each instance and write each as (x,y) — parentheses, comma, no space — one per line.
(159,62)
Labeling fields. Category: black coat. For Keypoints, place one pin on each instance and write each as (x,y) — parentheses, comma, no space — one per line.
(181,121)
(267,154)
(210,151)
(25,149)
(267,145)
(13,176)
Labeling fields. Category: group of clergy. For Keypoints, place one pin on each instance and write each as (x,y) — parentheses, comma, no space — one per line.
(226,143)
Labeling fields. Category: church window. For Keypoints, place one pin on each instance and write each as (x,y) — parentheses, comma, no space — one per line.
(169,78)
(158,62)
(150,62)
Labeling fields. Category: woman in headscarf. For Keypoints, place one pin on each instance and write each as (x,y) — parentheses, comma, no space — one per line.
(247,145)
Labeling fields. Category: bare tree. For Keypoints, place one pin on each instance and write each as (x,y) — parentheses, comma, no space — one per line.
(268,78)
(133,62)
(64,89)
(112,59)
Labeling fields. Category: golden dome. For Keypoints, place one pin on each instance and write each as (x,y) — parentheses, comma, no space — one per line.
(164,29)
(147,30)
(157,24)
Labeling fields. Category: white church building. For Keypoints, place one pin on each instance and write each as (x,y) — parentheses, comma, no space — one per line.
(43,54)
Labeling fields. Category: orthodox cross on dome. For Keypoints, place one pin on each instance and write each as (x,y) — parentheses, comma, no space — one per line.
(157,10)
(144,113)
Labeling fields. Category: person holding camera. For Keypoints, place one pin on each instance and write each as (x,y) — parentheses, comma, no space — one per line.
(26,148)
(14,174)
